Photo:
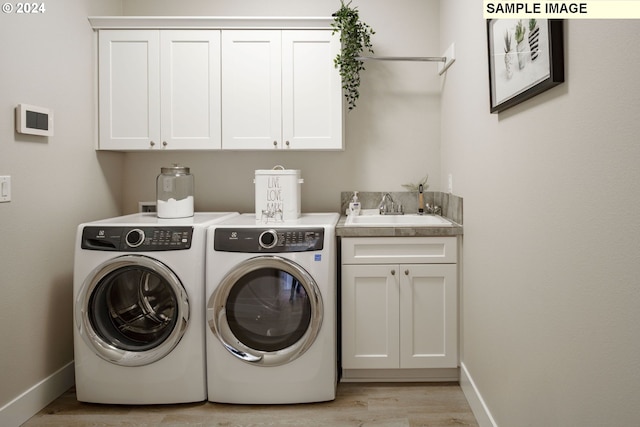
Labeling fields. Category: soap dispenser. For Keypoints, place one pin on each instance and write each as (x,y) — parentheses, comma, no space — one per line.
(354,205)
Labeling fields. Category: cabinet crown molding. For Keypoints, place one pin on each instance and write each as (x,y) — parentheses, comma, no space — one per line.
(208,22)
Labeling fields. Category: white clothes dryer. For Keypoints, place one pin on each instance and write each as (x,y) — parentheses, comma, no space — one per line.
(139,317)
(271,310)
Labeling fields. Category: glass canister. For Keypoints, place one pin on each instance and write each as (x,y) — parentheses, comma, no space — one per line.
(174,192)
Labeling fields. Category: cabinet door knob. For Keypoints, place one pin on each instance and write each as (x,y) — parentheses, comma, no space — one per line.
(287,142)
(406,272)
(393,272)
(151,143)
(275,143)
(164,143)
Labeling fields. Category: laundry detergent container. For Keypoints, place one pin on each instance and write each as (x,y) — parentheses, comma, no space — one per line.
(277,194)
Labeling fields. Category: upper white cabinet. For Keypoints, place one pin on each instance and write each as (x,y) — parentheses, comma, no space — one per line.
(252,89)
(280,89)
(159,89)
(190,89)
(312,98)
(129,89)
(218,83)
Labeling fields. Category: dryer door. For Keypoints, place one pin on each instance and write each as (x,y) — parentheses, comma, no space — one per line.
(132,310)
(267,311)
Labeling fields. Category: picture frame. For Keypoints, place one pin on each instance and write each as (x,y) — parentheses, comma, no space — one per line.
(525,59)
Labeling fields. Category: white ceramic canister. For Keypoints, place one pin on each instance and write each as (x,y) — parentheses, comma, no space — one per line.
(277,194)
(174,192)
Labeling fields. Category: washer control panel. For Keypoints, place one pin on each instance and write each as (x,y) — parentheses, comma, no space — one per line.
(136,239)
(269,240)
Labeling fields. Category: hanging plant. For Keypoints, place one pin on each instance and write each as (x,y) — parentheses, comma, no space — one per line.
(355,36)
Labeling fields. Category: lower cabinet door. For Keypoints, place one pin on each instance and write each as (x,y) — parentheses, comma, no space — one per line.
(399,316)
(370,328)
(428,316)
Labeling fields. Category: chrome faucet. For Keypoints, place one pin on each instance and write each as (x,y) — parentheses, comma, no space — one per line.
(433,210)
(388,207)
(382,206)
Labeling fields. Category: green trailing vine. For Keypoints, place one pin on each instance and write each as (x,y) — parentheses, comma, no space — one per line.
(355,36)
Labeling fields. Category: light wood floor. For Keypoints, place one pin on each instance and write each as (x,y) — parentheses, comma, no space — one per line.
(356,404)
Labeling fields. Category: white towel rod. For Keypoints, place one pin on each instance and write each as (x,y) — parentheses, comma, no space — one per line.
(448,58)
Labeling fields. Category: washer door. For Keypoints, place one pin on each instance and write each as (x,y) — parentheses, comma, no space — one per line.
(132,310)
(267,311)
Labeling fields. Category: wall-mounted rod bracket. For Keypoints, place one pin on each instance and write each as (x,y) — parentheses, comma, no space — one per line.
(450,55)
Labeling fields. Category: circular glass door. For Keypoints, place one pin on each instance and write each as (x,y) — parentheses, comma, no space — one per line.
(266,311)
(132,310)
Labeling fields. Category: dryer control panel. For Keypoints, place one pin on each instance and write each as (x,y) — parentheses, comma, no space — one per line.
(269,240)
(136,239)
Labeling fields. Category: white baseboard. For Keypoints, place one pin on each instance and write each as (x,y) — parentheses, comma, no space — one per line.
(37,397)
(479,408)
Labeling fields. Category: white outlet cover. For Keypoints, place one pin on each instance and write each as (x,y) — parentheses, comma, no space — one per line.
(146,207)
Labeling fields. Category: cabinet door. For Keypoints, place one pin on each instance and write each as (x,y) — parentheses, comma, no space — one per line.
(428,316)
(190,91)
(129,89)
(311,90)
(251,89)
(370,316)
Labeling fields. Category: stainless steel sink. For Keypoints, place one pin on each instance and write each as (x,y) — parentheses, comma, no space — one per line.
(407,220)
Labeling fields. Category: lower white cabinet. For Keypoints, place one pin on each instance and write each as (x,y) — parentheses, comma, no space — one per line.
(399,303)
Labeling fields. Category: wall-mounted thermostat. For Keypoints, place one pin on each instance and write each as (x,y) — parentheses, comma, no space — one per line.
(34,120)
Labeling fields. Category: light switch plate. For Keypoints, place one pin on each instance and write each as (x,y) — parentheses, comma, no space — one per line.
(5,188)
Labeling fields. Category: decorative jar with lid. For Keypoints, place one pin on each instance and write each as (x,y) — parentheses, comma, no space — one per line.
(174,192)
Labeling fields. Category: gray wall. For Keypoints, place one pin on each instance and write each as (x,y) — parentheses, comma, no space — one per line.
(392,138)
(551,254)
(550,295)
(58,182)
(61,181)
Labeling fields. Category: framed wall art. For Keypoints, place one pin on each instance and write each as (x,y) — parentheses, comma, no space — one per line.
(526,57)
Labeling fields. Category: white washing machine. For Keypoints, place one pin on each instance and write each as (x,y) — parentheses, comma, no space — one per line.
(139,305)
(271,310)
